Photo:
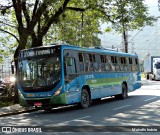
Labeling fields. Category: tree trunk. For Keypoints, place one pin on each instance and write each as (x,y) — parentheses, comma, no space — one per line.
(36,40)
(22,44)
(125,41)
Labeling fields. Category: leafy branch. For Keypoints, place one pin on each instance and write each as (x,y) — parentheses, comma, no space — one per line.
(10,34)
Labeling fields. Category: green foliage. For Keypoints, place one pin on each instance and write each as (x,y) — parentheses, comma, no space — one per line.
(8,44)
(6,103)
(128,15)
(1,59)
(67,21)
(76,27)
(108,29)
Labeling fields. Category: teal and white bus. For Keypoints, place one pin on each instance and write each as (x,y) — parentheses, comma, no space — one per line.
(64,74)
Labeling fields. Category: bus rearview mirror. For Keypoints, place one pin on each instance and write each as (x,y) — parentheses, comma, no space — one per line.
(12,68)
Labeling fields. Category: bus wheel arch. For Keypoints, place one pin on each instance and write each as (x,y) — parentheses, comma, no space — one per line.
(85,97)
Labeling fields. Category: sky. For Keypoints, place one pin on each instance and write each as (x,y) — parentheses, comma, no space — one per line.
(151,1)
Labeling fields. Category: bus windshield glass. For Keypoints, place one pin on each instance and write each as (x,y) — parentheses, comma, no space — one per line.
(39,71)
(157,66)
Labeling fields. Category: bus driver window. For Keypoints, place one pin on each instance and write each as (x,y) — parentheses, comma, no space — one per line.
(70,68)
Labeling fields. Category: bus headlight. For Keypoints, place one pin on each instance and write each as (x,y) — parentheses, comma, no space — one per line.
(20,94)
(58,91)
(12,79)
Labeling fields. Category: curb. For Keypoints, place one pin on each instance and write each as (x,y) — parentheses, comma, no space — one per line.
(17,112)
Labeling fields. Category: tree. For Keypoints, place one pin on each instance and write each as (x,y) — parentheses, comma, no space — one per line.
(33,19)
(81,30)
(128,15)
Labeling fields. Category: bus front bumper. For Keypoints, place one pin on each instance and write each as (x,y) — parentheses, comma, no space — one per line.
(43,102)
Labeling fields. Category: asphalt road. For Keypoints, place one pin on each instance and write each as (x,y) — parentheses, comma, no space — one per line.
(141,108)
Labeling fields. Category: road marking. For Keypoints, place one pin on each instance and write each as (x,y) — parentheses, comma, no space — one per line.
(121,107)
(150,99)
(74,120)
(83,117)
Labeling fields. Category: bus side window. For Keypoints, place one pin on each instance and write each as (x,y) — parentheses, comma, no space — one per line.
(102,57)
(135,64)
(124,65)
(81,62)
(130,64)
(97,63)
(117,63)
(121,63)
(126,61)
(118,67)
(87,63)
(136,61)
(113,63)
(91,62)
(71,66)
(108,63)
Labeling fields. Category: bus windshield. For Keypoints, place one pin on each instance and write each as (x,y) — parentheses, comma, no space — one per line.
(157,66)
(38,72)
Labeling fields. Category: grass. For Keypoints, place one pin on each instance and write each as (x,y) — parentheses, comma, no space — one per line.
(142,75)
(4,104)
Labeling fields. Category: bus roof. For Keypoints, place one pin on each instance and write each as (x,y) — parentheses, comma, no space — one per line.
(98,50)
(85,49)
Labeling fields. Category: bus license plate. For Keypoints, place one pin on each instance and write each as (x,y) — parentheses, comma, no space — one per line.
(37,104)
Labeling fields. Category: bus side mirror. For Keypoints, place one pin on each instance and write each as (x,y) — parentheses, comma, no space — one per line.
(12,68)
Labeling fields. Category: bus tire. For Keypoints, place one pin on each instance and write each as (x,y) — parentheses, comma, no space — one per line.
(155,78)
(85,99)
(124,93)
(147,76)
(48,109)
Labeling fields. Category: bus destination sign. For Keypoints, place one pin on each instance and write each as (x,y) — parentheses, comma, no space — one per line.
(37,52)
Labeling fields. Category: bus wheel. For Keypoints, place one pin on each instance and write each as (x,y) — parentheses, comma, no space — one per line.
(154,77)
(85,99)
(124,92)
(48,109)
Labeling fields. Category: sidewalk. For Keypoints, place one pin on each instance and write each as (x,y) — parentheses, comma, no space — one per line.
(14,109)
